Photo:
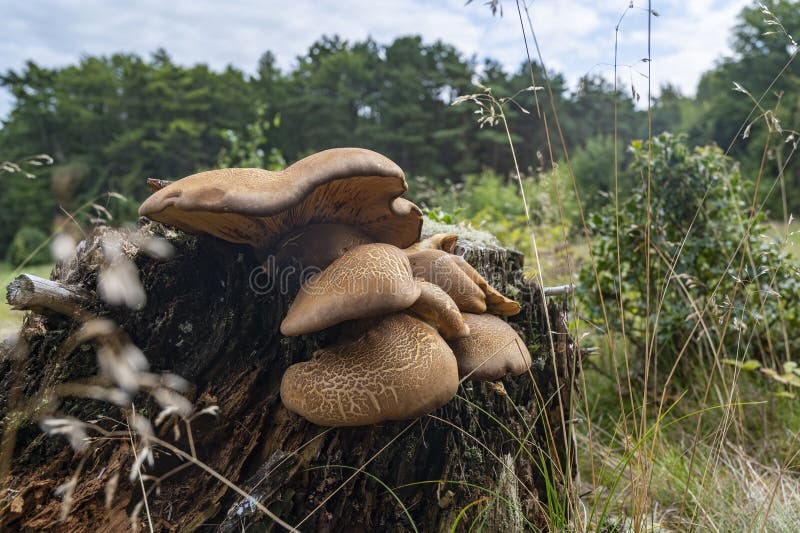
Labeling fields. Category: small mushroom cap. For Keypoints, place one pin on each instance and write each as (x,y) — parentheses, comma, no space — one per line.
(496,303)
(492,350)
(254,206)
(368,281)
(439,241)
(438,267)
(399,369)
(437,308)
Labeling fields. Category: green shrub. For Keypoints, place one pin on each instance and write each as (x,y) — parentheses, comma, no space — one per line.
(593,167)
(493,203)
(711,276)
(25,241)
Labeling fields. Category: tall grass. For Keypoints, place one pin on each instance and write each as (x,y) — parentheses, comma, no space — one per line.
(694,435)
(714,447)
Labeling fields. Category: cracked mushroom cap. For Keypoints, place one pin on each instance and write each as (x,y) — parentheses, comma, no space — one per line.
(438,309)
(367,281)
(438,267)
(399,369)
(492,350)
(253,206)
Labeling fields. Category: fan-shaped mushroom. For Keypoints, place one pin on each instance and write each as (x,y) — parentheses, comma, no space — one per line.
(368,281)
(436,307)
(471,292)
(341,210)
(492,350)
(438,267)
(496,303)
(399,369)
(346,186)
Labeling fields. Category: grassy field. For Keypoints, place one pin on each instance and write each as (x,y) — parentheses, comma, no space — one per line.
(9,319)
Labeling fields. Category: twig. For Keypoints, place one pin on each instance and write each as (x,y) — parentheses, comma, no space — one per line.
(559,290)
(28,292)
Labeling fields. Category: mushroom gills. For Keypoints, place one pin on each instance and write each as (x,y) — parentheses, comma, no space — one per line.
(492,350)
(398,370)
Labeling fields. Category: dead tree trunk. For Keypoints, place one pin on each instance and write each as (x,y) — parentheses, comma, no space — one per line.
(499,454)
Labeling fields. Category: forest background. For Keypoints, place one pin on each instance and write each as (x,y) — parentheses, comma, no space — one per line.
(115,120)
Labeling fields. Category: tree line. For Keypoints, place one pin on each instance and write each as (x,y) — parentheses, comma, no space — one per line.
(112,121)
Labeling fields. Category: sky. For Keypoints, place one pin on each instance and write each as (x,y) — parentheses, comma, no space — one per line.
(576,37)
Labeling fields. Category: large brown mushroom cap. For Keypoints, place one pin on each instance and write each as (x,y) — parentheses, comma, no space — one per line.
(438,267)
(437,308)
(254,206)
(398,370)
(367,281)
(492,350)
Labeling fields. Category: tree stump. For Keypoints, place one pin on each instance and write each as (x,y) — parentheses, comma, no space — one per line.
(498,455)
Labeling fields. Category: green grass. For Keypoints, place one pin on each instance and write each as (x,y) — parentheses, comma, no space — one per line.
(10,319)
(700,476)
(789,235)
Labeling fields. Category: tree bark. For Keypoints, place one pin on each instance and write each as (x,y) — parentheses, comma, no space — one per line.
(500,454)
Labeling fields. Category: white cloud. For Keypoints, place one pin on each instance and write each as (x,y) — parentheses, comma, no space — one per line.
(576,38)
(686,46)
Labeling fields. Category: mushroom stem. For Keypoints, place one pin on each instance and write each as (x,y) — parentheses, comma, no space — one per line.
(309,250)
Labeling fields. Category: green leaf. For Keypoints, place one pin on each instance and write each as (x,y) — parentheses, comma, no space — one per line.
(749,365)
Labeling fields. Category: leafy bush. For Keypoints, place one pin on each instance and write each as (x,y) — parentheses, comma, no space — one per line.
(251,148)
(493,203)
(593,166)
(23,202)
(702,261)
(25,241)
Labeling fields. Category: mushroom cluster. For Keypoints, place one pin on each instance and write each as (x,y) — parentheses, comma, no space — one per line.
(414,318)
